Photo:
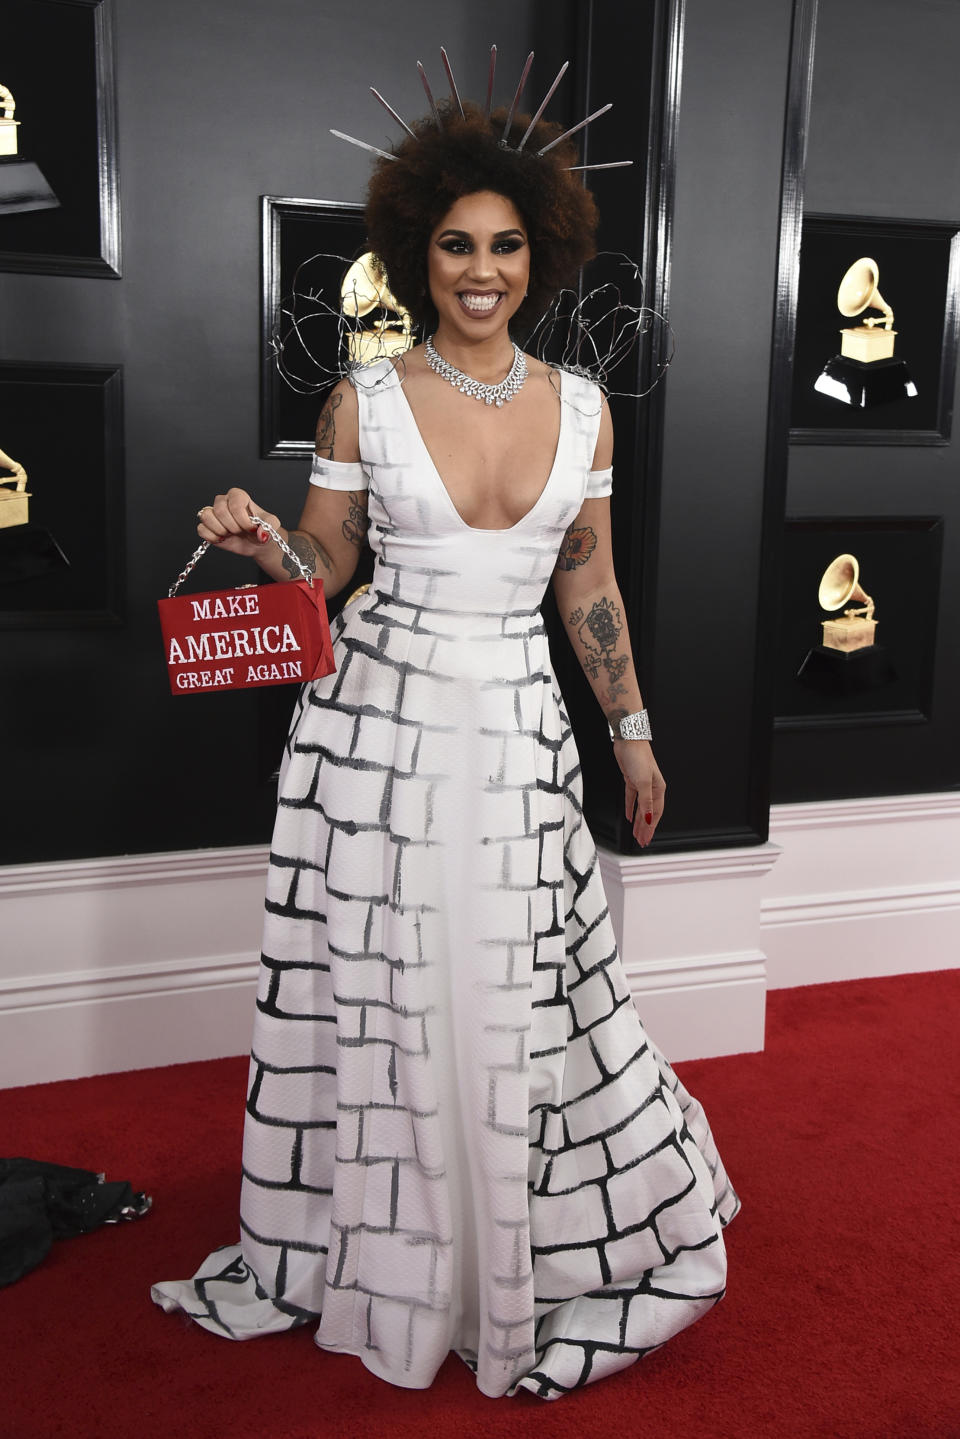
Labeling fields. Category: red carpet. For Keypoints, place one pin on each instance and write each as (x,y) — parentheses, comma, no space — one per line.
(841,1319)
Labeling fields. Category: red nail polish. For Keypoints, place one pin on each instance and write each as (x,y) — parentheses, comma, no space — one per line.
(262,536)
(648,817)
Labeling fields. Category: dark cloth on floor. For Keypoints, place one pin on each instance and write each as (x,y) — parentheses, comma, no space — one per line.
(41,1202)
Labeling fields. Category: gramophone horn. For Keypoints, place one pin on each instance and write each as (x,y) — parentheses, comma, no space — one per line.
(364,287)
(840,583)
(858,289)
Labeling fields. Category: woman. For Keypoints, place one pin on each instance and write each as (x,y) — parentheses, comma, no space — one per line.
(458,1134)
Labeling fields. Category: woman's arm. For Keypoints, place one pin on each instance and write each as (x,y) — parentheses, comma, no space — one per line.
(333,526)
(592,609)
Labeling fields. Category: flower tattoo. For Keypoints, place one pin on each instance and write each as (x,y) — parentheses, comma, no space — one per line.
(576,547)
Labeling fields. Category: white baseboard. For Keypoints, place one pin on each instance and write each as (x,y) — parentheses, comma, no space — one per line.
(114,964)
(73,1003)
(688,930)
(704,1006)
(160,1023)
(863,888)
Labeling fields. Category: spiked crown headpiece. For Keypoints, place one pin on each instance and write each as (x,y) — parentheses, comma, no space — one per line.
(590,328)
(504,141)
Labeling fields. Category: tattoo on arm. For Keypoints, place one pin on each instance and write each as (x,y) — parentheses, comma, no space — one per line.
(356,524)
(576,547)
(599,633)
(307,550)
(327,427)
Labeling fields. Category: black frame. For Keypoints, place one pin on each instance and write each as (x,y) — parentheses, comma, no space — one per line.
(919,264)
(649,44)
(64,424)
(292,232)
(900,561)
(803,32)
(58,58)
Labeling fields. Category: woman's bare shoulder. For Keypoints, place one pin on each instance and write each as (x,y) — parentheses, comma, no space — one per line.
(338,428)
(538,369)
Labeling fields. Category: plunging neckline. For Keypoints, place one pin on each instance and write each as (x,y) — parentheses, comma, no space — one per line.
(478,529)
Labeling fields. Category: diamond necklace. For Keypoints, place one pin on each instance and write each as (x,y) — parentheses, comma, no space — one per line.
(476,389)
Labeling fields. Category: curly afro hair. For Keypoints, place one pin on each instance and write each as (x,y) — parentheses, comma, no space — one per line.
(409,196)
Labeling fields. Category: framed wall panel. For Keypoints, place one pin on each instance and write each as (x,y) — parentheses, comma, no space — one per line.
(304,244)
(58,60)
(900,569)
(64,569)
(919,273)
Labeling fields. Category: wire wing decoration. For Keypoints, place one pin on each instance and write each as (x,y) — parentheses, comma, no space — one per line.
(593,330)
(322,332)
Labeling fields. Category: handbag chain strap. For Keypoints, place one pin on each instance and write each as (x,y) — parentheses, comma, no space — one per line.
(202,548)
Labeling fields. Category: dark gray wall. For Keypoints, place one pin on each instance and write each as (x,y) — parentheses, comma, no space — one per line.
(884,140)
(218,103)
(885,122)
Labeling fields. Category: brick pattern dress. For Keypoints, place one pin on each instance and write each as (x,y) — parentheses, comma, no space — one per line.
(458,1134)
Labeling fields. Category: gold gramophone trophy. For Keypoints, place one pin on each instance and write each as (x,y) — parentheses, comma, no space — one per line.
(27,551)
(22,183)
(866,372)
(365,294)
(856,628)
(849,660)
(14,503)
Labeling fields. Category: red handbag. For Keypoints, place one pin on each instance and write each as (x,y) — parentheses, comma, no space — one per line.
(247,637)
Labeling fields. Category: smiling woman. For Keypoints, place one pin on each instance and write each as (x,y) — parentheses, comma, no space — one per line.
(458,1134)
(478,264)
(408,201)
(478,276)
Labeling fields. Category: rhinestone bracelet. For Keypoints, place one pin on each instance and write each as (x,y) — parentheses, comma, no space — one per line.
(635,726)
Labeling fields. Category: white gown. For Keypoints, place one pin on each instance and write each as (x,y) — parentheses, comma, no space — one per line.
(458,1134)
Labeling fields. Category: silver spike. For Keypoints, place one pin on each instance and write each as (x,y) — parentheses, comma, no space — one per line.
(384,154)
(455,93)
(433,103)
(574,128)
(493,71)
(391,111)
(607,165)
(546,100)
(513,105)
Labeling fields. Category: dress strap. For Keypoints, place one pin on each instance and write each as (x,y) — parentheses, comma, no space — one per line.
(599,484)
(338,474)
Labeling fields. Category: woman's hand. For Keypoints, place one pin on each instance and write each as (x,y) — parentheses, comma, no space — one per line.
(227,523)
(645,786)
